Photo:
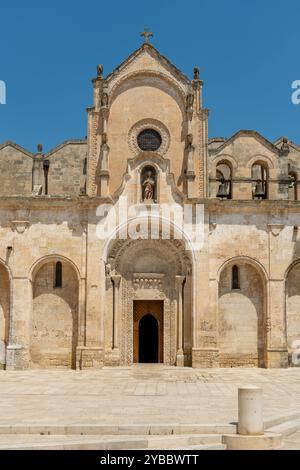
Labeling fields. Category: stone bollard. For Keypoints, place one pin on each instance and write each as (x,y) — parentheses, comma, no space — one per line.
(250,408)
(250,432)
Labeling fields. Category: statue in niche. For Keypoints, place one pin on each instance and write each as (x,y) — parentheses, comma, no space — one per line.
(148,186)
(190,101)
(104,100)
(190,150)
(104,139)
(189,142)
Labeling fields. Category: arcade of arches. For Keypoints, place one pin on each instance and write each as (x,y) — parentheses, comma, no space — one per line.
(148,315)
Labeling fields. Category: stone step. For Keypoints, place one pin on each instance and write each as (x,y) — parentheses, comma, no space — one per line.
(182,441)
(286,428)
(121,429)
(280,418)
(71,443)
(77,442)
(207,447)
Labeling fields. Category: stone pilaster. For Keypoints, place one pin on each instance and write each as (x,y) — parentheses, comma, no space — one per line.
(180,312)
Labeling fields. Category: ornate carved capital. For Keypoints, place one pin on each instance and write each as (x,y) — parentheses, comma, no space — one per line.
(116,279)
(275,229)
(180,280)
(19,225)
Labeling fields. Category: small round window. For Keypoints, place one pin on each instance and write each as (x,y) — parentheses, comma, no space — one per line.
(149,139)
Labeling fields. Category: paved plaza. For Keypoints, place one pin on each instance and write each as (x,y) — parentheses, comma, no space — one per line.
(140,400)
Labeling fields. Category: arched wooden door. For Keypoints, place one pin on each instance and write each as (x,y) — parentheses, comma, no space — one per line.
(148,331)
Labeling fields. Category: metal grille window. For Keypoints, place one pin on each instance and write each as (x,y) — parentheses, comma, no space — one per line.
(149,139)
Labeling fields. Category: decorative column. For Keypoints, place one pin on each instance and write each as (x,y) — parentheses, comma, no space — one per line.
(275,321)
(104,173)
(116,279)
(197,86)
(20,310)
(189,148)
(189,109)
(180,336)
(81,342)
(190,170)
(104,149)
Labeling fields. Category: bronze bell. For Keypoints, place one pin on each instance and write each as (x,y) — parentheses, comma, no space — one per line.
(259,192)
(222,191)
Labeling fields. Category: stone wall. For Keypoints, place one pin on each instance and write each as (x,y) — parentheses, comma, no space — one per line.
(67,167)
(15,171)
(66,175)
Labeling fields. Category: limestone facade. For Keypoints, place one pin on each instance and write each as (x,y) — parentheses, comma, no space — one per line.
(71,298)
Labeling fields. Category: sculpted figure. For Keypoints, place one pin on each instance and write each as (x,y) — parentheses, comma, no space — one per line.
(189,100)
(148,186)
(104,99)
(99,70)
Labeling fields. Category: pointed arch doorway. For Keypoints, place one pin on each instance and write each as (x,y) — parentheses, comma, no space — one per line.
(148,331)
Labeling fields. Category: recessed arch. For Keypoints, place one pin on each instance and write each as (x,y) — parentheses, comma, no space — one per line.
(54,322)
(150,271)
(157,80)
(5,306)
(242,311)
(53,257)
(265,160)
(247,259)
(292,306)
(226,158)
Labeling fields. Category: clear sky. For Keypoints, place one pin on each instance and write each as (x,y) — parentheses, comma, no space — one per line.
(247,51)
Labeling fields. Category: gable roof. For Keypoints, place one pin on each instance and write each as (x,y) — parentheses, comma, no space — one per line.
(151,49)
(246,133)
(63,144)
(9,143)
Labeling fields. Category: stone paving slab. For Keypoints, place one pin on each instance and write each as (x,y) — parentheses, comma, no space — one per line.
(292,442)
(140,395)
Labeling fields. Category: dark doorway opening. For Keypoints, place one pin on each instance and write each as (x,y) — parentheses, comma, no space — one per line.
(148,339)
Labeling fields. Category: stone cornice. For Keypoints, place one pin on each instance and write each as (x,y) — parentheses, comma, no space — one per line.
(84,202)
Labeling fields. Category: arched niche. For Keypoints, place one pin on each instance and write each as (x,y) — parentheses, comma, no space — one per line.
(241,315)
(54,325)
(292,312)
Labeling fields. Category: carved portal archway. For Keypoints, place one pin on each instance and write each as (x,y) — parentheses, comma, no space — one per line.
(149,270)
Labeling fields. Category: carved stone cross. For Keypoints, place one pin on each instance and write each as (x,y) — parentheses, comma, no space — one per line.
(147,34)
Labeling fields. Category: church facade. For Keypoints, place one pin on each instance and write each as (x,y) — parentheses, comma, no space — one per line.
(79,292)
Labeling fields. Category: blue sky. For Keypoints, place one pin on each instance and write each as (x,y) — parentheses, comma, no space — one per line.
(247,51)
